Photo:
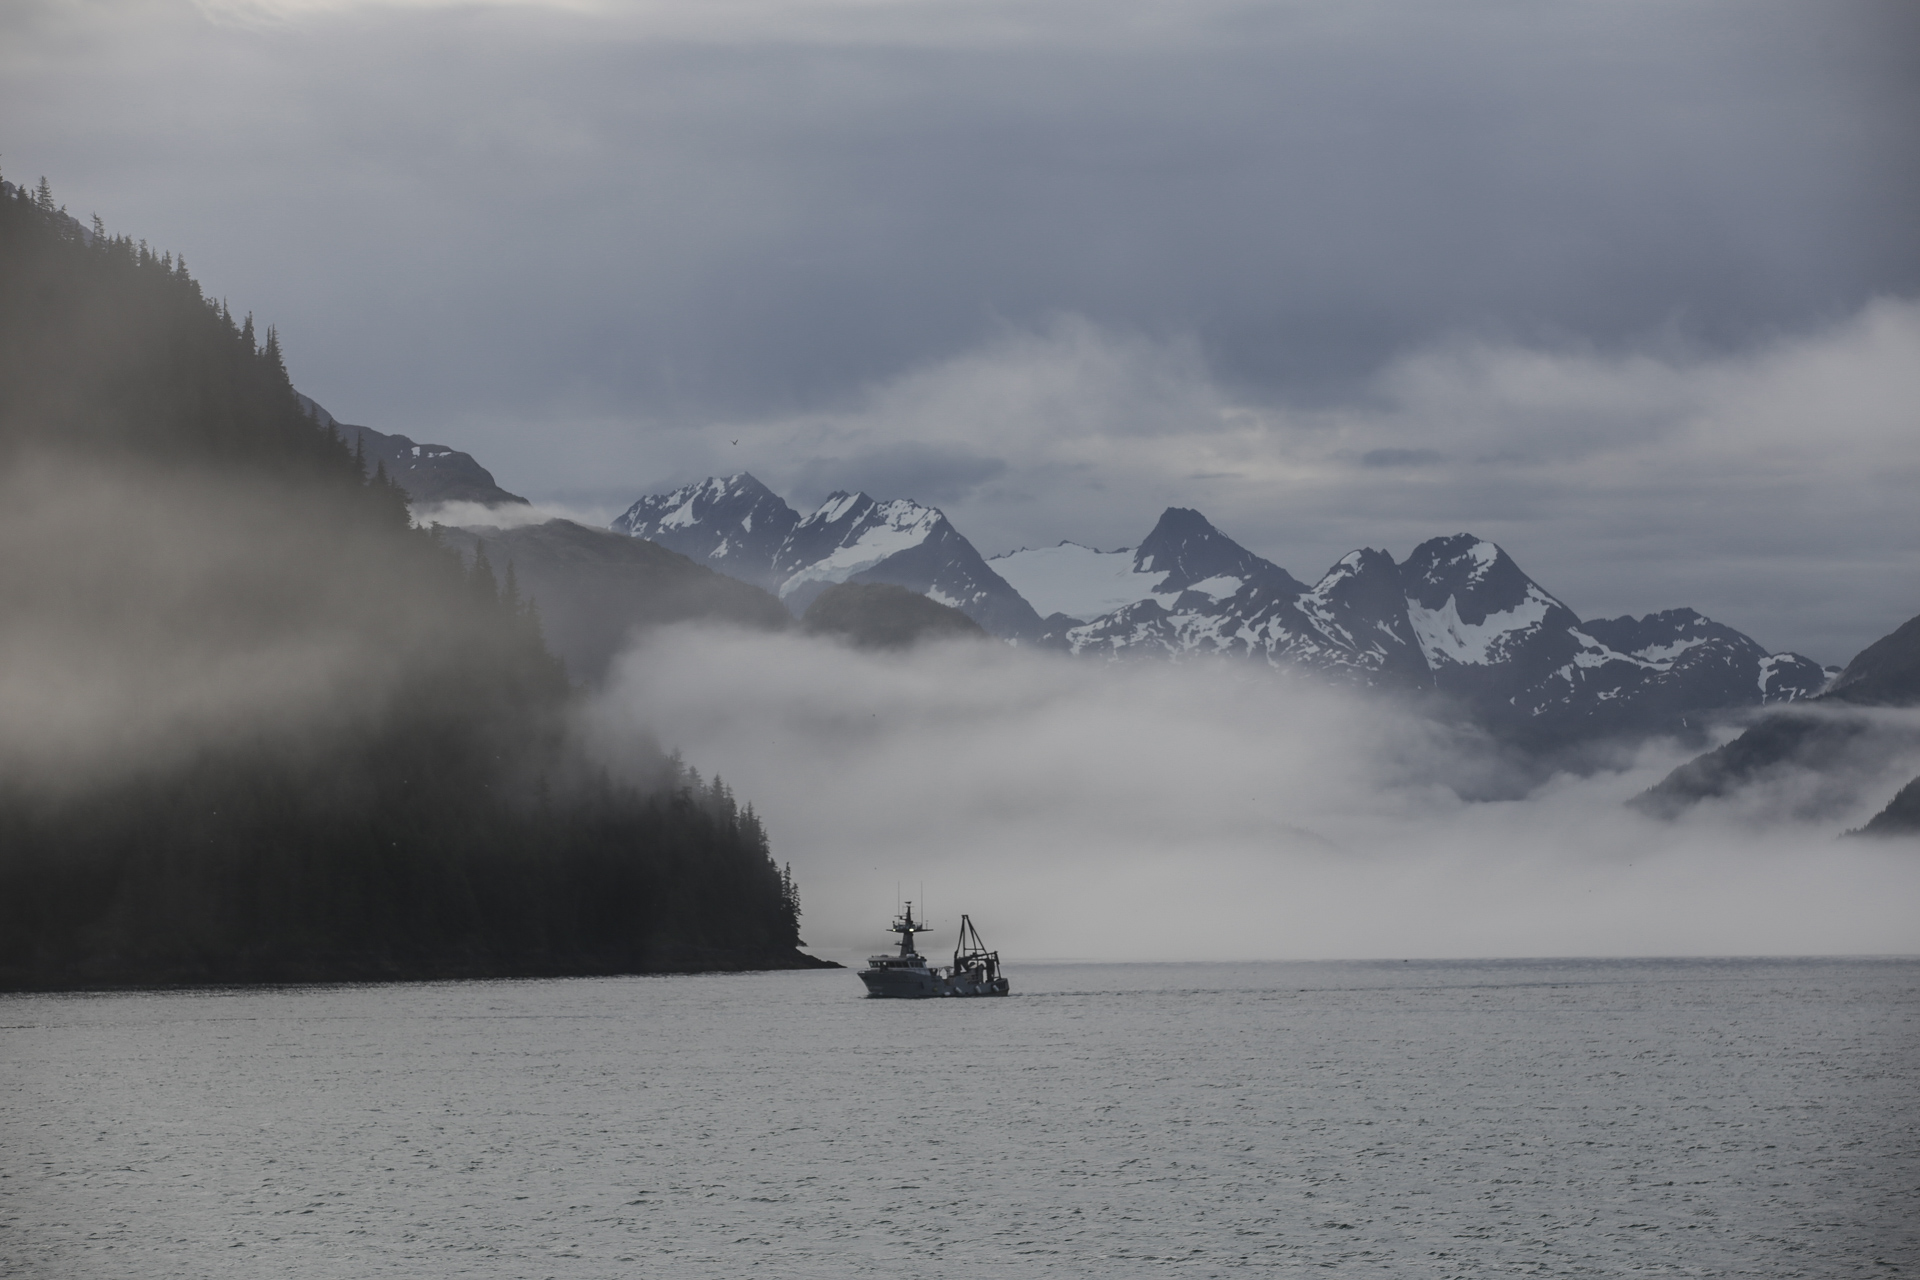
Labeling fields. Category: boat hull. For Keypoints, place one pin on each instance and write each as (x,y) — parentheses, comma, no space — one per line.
(924,984)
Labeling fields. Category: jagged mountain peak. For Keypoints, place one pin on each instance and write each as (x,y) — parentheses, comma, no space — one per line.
(733,523)
(1359,606)
(1663,636)
(1367,574)
(1185,550)
(691,503)
(1478,576)
(1365,562)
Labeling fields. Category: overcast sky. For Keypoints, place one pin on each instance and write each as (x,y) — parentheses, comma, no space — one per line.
(1631,287)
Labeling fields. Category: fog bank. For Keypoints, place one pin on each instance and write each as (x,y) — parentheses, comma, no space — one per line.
(156,612)
(1210,811)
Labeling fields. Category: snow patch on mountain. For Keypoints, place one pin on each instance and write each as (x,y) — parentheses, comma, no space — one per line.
(1080,581)
(1218,587)
(1446,637)
(1662,655)
(885,529)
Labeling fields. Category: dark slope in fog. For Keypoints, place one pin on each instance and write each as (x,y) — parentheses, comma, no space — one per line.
(879,615)
(595,590)
(1831,737)
(257,727)
(1901,817)
(1884,674)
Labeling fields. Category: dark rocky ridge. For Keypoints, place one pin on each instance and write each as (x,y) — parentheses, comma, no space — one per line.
(430,473)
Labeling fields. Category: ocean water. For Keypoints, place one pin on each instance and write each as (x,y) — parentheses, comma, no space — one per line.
(1564,1118)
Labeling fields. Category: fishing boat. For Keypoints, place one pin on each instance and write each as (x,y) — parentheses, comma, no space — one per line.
(907,975)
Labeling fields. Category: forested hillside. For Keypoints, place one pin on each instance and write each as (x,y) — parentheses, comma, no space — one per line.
(256,727)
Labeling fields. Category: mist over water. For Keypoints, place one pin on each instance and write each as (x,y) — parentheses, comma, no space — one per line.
(1150,811)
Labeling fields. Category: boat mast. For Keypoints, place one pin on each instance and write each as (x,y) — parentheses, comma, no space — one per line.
(904,926)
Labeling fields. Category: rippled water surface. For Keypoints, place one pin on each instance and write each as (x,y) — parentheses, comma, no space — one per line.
(1567,1118)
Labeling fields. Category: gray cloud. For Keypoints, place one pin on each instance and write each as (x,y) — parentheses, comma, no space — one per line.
(532,210)
(1400,457)
(906,467)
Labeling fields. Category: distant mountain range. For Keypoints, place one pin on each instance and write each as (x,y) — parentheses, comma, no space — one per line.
(742,528)
(1458,619)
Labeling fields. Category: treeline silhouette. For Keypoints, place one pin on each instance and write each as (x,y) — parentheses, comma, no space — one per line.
(427,813)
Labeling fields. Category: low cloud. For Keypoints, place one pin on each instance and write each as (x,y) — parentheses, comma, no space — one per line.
(507,515)
(1212,811)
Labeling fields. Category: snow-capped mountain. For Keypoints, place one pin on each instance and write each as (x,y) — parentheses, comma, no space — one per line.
(733,524)
(1353,624)
(1183,553)
(743,529)
(852,538)
(1458,618)
(1495,639)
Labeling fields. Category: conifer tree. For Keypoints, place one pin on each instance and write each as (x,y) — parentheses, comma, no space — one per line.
(510,592)
(270,356)
(480,577)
